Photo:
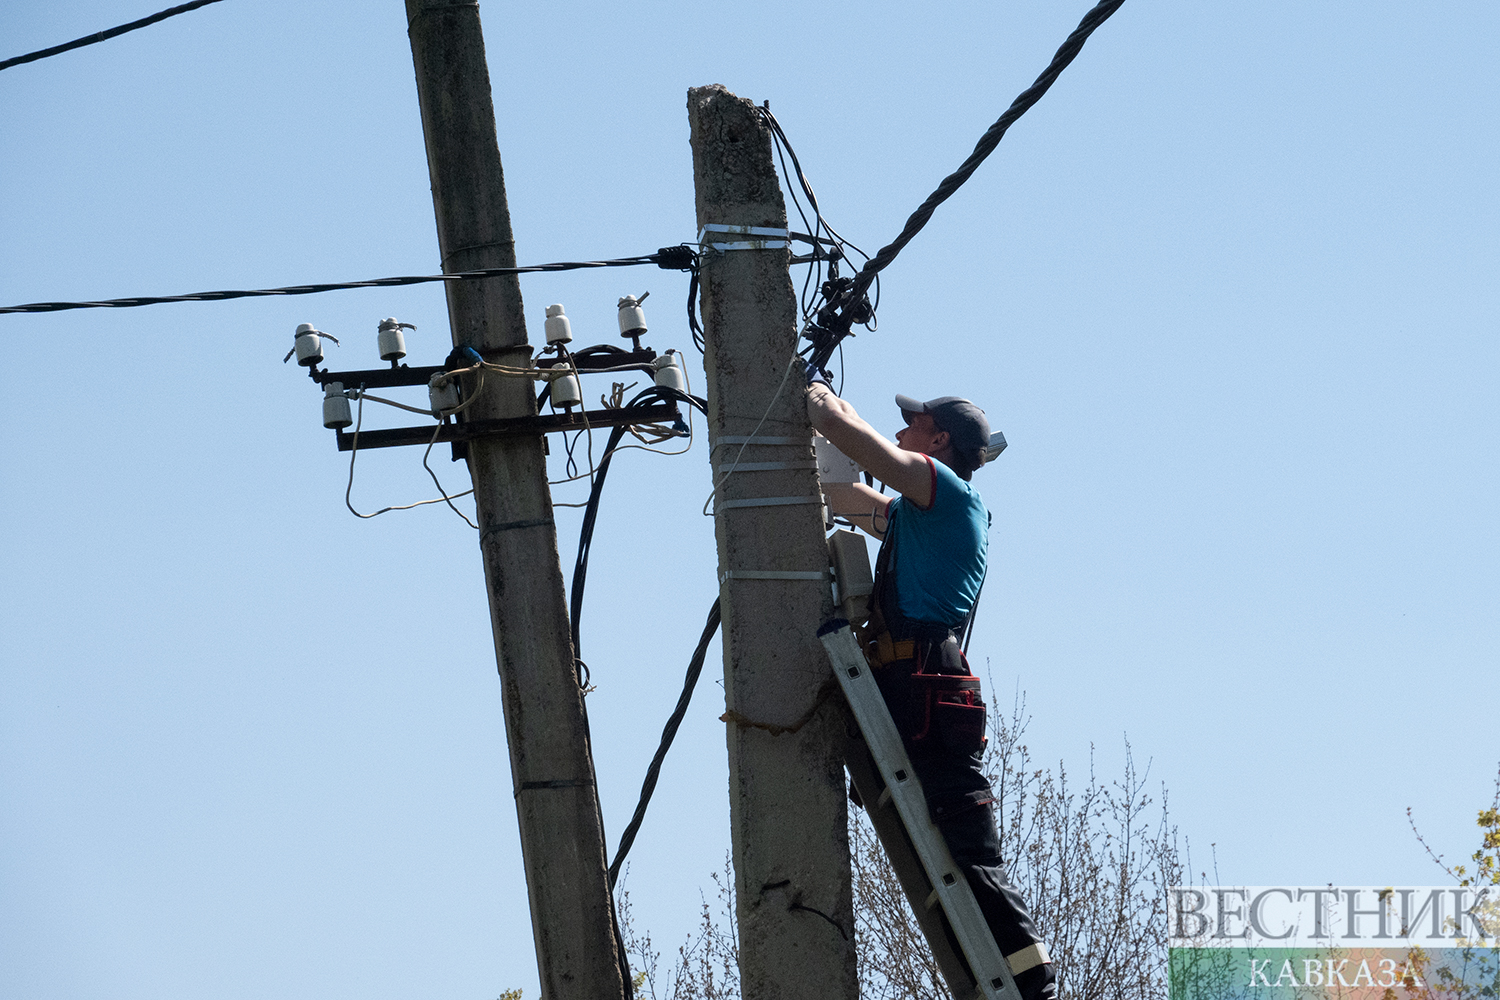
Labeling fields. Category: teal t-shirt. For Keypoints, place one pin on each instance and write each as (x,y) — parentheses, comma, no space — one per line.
(941,552)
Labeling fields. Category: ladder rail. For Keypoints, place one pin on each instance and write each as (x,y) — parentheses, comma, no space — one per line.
(989,968)
(909,870)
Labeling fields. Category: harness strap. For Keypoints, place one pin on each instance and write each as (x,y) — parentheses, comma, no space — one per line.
(882,650)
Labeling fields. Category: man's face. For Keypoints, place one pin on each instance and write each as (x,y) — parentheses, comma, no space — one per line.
(921,434)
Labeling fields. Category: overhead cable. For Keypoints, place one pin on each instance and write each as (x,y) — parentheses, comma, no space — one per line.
(987,142)
(678,258)
(833,247)
(668,734)
(849,302)
(105,35)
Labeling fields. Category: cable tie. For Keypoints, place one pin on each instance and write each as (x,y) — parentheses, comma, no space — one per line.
(774,574)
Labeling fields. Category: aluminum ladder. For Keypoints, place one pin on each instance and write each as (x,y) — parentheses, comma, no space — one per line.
(940,897)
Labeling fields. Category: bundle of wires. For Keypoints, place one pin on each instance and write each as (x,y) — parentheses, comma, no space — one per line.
(653,394)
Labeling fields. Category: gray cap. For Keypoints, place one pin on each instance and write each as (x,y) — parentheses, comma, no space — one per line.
(965,423)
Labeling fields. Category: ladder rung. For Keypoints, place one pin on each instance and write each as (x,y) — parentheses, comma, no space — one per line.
(932,899)
(885,797)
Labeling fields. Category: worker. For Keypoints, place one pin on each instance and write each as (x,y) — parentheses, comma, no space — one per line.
(934,544)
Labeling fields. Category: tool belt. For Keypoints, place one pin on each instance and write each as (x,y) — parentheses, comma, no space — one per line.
(941,706)
(882,650)
(933,695)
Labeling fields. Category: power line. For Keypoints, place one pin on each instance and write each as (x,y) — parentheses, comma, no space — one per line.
(678,258)
(826,336)
(108,33)
(1066,53)
(668,734)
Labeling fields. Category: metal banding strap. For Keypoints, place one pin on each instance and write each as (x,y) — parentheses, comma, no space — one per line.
(774,574)
(770,231)
(533,786)
(771,238)
(724,439)
(1027,958)
(766,502)
(531,522)
(748,245)
(765,466)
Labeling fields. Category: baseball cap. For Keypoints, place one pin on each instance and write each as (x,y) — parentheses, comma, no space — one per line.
(965,423)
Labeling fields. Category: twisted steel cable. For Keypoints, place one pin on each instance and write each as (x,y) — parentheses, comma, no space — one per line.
(108,33)
(987,143)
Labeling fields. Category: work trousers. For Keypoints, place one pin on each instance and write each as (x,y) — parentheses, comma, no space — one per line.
(959,798)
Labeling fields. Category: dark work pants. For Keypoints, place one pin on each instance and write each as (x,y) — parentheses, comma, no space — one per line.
(958,797)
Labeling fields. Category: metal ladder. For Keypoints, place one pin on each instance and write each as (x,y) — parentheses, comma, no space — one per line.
(945,907)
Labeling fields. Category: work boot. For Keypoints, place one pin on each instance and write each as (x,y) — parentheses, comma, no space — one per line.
(1038,983)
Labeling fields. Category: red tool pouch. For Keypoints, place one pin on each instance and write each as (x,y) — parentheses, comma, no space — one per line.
(952,712)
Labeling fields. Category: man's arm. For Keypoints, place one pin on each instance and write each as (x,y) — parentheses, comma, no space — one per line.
(863,507)
(907,472)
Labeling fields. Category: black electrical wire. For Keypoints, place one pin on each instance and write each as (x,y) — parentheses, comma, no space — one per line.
(678,258)
(814,283)
(575,610)
(1065,54)
(668,734)
(652,394)
(849,300)
(692,311)
(108,33)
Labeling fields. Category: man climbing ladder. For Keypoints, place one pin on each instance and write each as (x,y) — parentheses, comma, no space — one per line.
(934,546)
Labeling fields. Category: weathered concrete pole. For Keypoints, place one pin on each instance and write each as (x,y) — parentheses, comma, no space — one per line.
(562,842)
(786,788)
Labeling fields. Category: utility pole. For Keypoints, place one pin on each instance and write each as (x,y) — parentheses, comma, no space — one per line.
(562,842)
(787,806)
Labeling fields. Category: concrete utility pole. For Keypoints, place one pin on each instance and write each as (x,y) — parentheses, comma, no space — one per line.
(786,782)
(562,841)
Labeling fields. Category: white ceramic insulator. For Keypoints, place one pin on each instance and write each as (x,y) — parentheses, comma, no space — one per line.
(565,390)
(632,317)
(669,374)
(336,406)
(392,343)
(833,465)
(559,331)
(309,345)
(442,393)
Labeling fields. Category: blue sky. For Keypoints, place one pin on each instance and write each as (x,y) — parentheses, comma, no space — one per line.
(1229,291)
